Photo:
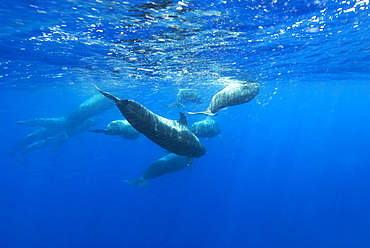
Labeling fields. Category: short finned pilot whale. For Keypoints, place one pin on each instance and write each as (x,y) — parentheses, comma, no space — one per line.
(207,128)
(56,122)
(185,96)
(92,106)
(121,128)
(171,135)
(167,164)
(234,94)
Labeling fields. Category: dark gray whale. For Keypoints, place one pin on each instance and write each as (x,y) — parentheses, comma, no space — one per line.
(120,127)
(167,164)
(171,135)
(233,94)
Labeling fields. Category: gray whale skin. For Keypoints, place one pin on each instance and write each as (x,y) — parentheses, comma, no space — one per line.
(167,164)
(171,135)
(231,95)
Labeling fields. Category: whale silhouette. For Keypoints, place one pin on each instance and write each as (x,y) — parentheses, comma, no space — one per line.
(171,135)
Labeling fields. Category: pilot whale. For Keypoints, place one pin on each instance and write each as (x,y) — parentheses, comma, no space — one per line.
(207,128)
(56,122)
(46,134)
(185,96)
(188,95)
(167,164)
(171,135)
(233,94)
(92,106)
(120,127)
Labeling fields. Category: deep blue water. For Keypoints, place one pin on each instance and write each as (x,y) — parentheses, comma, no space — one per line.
(290,169)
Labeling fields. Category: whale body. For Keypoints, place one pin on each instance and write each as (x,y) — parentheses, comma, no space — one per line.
(233,94)
(207,128)
(167,164)
(56,122)
(92,106)
(46,134)
(171,135)
(188,95)
(120,127)
(185,96)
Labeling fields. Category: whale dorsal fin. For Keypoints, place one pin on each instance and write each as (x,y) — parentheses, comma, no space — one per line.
(183,119)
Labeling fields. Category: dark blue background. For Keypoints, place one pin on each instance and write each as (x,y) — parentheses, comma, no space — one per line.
(292,173)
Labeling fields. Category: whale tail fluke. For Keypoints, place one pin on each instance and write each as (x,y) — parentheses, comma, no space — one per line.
(106,94)
(141,182)
(207,112)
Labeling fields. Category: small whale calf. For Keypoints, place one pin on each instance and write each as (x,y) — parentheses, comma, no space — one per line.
(167,164)
(207,128)
(171,135)
(234,94)
(120,127)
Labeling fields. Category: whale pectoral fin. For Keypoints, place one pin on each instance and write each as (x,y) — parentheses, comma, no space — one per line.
(183,119)
(141,182)
(190,161)
(202,113)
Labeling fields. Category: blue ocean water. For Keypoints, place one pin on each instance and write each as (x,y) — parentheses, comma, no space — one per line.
(289,168)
